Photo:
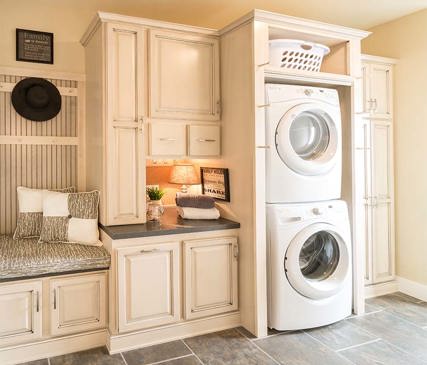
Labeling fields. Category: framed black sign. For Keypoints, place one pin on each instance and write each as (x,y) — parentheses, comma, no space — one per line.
(34,46)
(215,182)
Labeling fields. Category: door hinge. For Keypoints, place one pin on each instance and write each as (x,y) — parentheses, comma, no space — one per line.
(236,250)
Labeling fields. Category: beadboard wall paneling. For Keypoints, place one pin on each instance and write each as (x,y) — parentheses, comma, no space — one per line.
(42,155)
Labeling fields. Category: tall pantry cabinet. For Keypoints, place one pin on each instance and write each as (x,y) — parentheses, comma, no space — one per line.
(137,106)
(377,136)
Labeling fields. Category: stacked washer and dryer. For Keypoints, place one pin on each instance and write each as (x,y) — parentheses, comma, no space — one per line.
(308,230)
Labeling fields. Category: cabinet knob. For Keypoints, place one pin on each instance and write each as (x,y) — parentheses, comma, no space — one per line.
(167,139)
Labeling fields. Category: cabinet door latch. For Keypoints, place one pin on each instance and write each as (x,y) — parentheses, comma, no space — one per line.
(236,250)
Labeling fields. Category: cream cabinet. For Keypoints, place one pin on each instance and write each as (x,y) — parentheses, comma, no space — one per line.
(210,276)
(377,86)
(184,76)
(148,285)
(78,304)
(379,202)
(20,312)
(168,139)
(125,108)
(203,140)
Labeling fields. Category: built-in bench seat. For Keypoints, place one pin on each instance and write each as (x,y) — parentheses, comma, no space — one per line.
(26,258)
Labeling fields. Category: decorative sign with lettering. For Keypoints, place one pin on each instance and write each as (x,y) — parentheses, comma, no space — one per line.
(33,46)
(215,182)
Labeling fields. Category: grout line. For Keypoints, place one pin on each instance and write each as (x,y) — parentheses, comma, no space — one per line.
(364,314)
(198,358)
(124,360)
(359,344)
(171,359)
(259,348)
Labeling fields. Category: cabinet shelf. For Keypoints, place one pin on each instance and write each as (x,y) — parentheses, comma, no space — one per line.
(275,74)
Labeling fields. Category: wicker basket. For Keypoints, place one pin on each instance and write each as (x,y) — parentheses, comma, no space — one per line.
(297,55)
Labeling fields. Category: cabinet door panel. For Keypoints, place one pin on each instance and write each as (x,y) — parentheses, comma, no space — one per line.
(184,82)
(126,97)
(204,141)
(381,90)
(148,286)
(210,277)
(382,192)
(78,304)
(20,312)
(167,139)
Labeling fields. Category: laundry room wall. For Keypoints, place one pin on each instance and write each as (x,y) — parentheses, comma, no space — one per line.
(405,39)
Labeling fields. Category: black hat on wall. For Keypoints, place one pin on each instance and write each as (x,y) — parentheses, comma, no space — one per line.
(36,99)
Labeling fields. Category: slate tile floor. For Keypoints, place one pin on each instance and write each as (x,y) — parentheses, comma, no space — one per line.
(393,332)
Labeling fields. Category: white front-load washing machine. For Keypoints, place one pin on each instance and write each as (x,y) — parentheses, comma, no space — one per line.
(309,264)
(303,130)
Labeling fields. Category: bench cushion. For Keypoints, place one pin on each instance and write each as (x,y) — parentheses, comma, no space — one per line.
(26,258)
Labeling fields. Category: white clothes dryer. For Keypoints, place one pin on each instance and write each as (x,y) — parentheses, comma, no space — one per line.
(309,264)
(303,130)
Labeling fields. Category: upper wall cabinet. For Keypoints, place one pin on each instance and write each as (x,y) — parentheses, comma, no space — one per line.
(184,76)
(378,87)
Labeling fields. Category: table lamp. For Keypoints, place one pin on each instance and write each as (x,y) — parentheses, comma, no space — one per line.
(184,174)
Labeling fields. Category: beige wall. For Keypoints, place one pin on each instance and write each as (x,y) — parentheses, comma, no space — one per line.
(406,39)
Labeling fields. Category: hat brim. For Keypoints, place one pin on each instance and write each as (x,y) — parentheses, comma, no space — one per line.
(22,107)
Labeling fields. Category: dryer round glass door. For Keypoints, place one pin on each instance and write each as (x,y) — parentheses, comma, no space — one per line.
(317,261)
(307,138)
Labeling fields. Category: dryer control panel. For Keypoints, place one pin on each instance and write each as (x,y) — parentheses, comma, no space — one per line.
(281,93)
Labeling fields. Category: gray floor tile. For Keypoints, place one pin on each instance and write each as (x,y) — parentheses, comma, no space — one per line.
(188,360)
(340,335)
(390,300)
(227,348)
(245,332)
(98,356)
(395,330)
(156,353)
(380,352)
(299,348)
(36,362)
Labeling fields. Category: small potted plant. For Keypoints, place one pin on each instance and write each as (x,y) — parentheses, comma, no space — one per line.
(155,207)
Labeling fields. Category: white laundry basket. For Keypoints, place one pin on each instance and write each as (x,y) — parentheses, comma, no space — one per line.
(297,55)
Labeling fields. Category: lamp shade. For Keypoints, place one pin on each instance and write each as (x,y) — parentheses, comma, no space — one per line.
(184,174)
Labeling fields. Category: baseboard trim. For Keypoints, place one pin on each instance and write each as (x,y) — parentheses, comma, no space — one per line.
(412,288)
(52,347)
(377,290)
(131,341)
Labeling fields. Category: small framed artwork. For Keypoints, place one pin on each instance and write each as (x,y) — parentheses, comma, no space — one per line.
(215,182)
(34,46)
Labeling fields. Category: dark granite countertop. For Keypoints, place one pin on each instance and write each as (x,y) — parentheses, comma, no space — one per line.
(170,223)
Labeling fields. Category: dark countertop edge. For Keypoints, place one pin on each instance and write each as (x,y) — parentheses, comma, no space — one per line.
(169,230)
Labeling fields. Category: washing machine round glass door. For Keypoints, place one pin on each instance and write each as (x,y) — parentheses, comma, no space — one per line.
(307,138)
(317,261)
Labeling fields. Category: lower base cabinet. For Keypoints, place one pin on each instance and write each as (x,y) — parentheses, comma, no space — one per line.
(78,304)
(210,277)
(148,286)
(20,312)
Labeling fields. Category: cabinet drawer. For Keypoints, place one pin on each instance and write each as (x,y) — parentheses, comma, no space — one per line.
(167,139)
(210,276)
(204,140)
(148,286)
(78,304)
(20,312)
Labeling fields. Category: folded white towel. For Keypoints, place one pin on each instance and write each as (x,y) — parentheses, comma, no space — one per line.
(197,213)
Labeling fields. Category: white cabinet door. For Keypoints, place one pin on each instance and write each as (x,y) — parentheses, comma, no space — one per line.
(204,140)
(148,286)
(378,89)
(168,139)
(20,312)
(184,76)
(126,100)
(78,304)
(210,276)
(382,196)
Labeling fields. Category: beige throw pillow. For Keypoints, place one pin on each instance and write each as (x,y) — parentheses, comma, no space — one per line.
(30,211)
(70,217)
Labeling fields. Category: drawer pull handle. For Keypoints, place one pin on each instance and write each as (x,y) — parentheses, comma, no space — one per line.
(149,251)
(206,140)
(167,139)
(54,299)
(264,147)
(37,302)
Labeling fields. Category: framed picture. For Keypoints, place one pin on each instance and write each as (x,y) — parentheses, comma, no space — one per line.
(215,182)
(34,46)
